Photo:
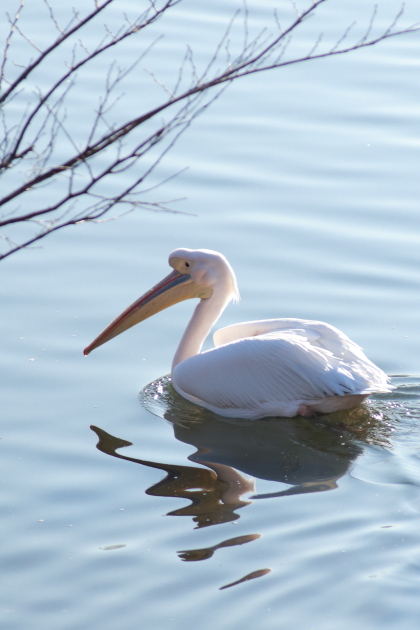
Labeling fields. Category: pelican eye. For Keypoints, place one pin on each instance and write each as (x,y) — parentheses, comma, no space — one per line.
(187,264)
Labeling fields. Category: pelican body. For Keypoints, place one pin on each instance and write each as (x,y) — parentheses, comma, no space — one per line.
(274,367)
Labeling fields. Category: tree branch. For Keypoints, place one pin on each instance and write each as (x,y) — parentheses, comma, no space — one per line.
(109,148)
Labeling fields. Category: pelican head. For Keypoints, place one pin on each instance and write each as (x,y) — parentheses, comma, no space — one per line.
(196,274)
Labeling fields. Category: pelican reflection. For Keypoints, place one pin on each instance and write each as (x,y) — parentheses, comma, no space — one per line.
(230,457)
(214,497)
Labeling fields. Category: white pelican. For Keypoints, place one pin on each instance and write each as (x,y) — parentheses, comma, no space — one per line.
(274,367)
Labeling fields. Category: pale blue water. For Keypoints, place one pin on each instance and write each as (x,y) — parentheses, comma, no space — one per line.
(307,180)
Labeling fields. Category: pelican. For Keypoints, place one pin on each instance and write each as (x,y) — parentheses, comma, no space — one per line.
(272,367)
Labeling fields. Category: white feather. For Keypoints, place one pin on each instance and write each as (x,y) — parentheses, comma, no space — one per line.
(293,362)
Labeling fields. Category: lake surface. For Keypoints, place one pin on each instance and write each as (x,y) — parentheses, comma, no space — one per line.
(116,512)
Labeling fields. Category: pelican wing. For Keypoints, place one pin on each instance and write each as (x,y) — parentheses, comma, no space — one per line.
(273,371)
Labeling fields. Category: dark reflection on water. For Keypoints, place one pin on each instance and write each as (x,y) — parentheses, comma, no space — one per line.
(192,555)
(305,455)
(233,454)
(201,486)
(249,576)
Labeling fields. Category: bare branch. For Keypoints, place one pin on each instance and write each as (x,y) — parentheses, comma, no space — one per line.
(74,67)
(53,46)
(53,18)
(13,24)
(38,147)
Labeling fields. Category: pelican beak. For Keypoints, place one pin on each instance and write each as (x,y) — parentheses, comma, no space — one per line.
(175,288)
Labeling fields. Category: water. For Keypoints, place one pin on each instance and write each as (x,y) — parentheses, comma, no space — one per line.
(306,179)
